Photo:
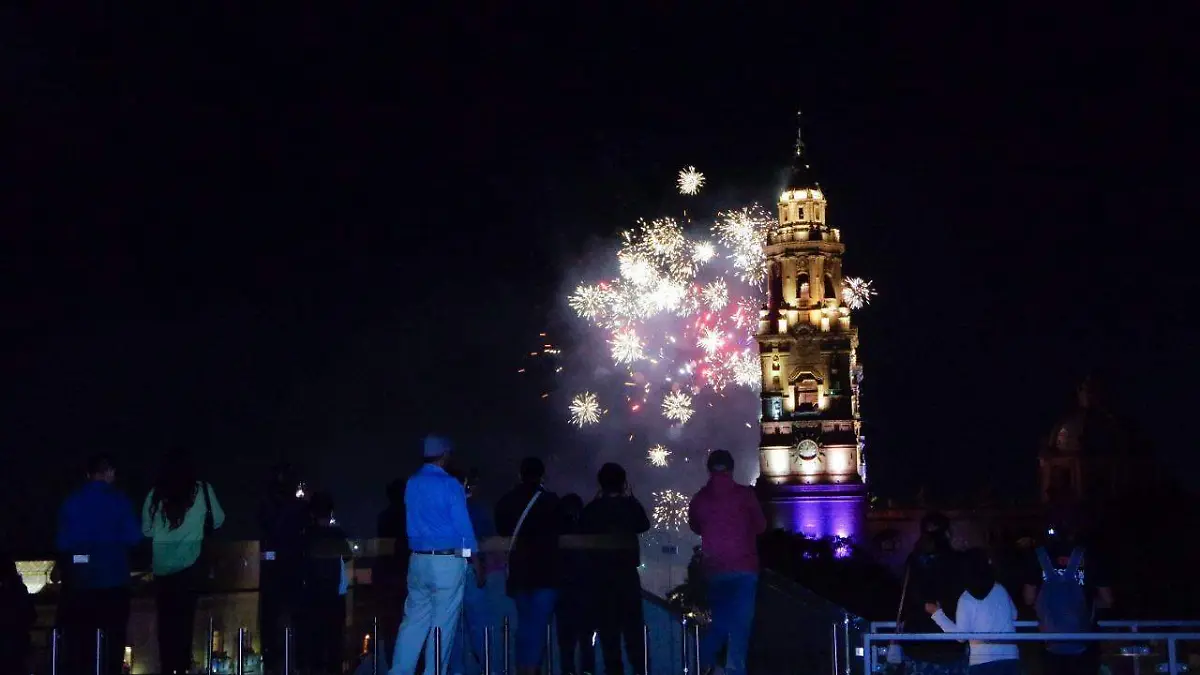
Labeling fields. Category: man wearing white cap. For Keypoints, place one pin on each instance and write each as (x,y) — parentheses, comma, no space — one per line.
(441,539)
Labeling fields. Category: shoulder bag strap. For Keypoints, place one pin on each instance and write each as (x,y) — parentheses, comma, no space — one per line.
(521,521)
(208,514)
(903,595)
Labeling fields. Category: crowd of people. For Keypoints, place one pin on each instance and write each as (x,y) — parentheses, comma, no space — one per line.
(460,567)
(957,592)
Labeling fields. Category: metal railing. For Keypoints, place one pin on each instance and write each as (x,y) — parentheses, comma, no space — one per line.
(1132,625)
(872,639)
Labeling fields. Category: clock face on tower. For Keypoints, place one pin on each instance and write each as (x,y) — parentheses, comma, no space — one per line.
(807,449)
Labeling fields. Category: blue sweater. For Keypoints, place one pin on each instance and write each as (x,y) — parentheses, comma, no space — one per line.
(96,529)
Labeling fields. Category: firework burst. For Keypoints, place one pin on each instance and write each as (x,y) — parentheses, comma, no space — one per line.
(657,455)
(670,510)
(627,347)
(585,409)
(690,181)
(857,292)
(677,406)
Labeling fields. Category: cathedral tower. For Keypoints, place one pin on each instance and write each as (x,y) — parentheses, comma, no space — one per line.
(812,472)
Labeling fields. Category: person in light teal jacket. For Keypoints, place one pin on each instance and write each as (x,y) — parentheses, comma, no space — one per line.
(175,516)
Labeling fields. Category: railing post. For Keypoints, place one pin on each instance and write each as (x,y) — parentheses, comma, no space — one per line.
(208,650)
(507,659)
(100,651)
(54,651)
(374,646)
(1172,662)
(868,655)
(287,650)
(696,645)
(833,655)
(241,657)
(437,650)
(846,642)
(548,662)
(683,640)
(645,649)
(487,650)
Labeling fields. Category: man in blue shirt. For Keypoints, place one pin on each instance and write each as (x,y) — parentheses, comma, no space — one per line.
(96,529)
(441,539)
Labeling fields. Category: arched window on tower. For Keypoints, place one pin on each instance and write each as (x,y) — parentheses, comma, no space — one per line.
(775,285)
(802,289)
(829,292)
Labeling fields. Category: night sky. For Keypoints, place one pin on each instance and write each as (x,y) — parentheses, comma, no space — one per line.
(257,237)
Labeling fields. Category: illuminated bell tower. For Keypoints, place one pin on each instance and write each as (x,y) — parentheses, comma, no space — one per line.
(812,472)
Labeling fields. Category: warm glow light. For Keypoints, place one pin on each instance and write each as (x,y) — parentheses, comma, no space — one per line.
(778,461)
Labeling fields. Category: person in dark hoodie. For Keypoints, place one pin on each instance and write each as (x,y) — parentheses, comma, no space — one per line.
(574,612)
(935,577)
(528,515)
(615,518)
(283,515)
(322,623)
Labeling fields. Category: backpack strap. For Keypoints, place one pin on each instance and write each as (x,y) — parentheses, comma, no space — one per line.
(1044,561)
(1075,562)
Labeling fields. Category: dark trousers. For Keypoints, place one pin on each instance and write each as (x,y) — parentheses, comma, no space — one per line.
(576,625)
(82,612)
(278,600)
(175,597)
(1087,663)
(322,633)
(618,603)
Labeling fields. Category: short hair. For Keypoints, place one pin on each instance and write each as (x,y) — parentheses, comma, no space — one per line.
(720,460)
(611,477)
(532,470)
(321,505)
(99,463)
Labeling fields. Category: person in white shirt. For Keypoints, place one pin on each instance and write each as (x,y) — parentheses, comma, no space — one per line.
(985,607)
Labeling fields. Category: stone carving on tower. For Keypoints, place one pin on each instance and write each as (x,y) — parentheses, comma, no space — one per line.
(812,470)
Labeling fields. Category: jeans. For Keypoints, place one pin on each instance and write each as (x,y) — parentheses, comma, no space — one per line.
(435,594)
(477,615)
(534,609)
(175,597)
(731,596)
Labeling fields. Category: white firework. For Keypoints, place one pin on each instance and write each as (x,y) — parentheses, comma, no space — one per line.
(657,455)
(746,369)
(585,409)
(627,347)
(716,294)
(590,302)
(711,340)
(857,292)
(677,406)
(670,510)
(703,252)
(690,181)
(745,232)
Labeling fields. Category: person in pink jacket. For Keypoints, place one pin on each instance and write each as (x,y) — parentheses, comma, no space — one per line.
(728,518)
